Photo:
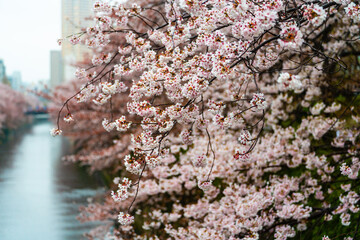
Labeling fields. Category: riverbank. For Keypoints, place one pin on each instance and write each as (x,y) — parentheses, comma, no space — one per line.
(7,134)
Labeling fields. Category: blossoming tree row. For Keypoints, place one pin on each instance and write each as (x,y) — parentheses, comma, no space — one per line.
(220,119)
(12,107)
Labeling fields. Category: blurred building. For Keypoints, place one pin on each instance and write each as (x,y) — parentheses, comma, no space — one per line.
(2,71)
(56,68)
(15,81)
(76,17)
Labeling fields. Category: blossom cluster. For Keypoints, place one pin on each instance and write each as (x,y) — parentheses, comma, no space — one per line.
(122,193)
(226,118)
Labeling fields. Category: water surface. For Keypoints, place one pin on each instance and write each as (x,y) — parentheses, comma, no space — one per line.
(39,194)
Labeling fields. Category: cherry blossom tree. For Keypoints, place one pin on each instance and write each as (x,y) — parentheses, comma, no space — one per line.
(12,107)
(222,119)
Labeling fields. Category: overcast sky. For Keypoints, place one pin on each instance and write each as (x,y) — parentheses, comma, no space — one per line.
(29,29)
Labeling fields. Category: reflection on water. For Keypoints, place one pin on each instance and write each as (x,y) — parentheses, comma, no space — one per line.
(39,194)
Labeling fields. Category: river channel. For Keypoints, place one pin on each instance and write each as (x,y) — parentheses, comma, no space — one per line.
(40,194)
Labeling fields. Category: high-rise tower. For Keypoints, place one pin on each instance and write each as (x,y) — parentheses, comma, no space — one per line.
(2,71)
(56,68)
(76,17)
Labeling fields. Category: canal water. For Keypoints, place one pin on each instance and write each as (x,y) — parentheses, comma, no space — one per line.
(40,194)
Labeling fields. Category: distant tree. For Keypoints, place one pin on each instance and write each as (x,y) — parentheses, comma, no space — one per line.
(12,107)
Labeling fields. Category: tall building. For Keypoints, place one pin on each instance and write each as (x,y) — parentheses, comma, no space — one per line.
(2,71)
(76,17)
(56,68)
(15,81)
